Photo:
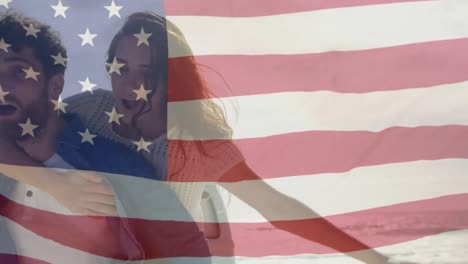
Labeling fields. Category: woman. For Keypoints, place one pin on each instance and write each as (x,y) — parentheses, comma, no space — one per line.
(139,71)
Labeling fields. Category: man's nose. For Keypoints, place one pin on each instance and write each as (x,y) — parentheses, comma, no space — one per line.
(5,84)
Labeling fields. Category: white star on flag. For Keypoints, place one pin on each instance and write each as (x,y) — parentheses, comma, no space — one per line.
(114,116)
(5,3)
(59,59)
(142,93)
(113,9)
(115,66)
(87,137)
(142,145)
(28,128)
(31,31)
(30,73)
(3,45)
(142,37)
(87,38)
(59,105)
(87,86)
(60,9)
(3,94)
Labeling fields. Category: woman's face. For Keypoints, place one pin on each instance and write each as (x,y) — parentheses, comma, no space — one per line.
(137,65)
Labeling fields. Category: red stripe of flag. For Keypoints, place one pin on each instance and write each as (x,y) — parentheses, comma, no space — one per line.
(157,238)
(377,227)
(246,8)
(316,152)
(374,227)
(15,259)
(383,69)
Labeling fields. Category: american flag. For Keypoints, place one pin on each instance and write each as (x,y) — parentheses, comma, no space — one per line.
(356,108)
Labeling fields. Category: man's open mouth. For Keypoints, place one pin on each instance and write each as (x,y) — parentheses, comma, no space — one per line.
(7,109)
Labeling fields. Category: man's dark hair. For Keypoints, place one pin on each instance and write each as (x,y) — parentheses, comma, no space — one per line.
(46,44)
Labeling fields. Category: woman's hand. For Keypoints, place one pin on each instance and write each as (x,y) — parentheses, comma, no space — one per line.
(83,192)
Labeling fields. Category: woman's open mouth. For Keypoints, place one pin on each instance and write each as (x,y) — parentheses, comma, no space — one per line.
(130,104)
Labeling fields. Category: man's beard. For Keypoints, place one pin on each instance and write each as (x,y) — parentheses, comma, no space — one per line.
(37,112)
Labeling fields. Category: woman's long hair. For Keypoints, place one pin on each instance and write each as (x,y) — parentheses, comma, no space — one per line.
(179,76)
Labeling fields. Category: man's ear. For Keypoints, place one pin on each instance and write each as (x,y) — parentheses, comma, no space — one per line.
(55,86)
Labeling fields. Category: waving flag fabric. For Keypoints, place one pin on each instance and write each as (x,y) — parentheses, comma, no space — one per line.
(356,108)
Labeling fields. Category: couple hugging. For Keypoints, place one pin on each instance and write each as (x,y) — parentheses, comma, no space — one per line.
(68,195)
(109,156)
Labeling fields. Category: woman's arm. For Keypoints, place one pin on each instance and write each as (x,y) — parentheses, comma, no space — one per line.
(79,191)
(313,227)
(16,164)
